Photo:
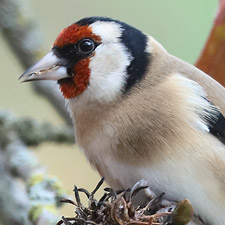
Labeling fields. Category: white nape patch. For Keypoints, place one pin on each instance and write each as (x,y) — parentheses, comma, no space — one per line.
(109,64)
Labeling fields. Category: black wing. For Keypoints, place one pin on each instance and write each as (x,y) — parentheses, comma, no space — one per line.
(216,124)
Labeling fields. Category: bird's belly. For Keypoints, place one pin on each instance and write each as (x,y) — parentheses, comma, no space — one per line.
(176,182)
(178,177)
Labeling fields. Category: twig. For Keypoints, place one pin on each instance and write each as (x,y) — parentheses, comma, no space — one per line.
(26,42)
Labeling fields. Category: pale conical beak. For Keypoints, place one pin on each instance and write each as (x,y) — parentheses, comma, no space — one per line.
(50,67)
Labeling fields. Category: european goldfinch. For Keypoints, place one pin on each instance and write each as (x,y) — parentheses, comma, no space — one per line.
(141,113)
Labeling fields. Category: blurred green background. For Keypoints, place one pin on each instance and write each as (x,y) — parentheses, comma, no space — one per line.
(181,26)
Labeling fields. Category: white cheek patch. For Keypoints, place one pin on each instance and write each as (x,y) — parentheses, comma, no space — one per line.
(108,71)
(109,64)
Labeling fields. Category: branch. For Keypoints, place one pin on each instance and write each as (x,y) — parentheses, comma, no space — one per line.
(32,133)
(25,189)
(26,41)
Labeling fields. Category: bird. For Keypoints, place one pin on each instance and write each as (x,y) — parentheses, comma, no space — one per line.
(141,113)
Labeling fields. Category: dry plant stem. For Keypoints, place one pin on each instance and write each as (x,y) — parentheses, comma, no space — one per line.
(119,209)
(26,42)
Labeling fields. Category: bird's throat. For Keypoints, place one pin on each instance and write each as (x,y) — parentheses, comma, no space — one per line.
(73,87)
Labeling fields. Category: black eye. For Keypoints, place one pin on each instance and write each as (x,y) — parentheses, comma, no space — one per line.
(86,45)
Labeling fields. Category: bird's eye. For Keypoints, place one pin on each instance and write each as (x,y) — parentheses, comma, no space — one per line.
(86,45)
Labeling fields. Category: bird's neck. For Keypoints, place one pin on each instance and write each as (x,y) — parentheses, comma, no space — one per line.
(89,114)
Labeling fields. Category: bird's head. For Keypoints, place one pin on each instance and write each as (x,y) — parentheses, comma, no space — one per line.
(97,57)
